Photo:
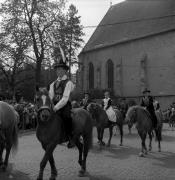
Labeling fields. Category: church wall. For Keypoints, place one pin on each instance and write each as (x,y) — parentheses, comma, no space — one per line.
(148,62)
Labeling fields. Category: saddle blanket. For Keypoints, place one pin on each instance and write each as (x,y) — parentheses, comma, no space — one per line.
(111,114)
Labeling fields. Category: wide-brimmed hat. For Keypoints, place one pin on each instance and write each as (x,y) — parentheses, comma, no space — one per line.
(61,64)
(146,91)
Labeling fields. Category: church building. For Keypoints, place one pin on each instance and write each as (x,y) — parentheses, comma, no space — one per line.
(133,48)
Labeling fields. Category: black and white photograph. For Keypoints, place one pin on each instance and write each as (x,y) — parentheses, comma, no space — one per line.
(87,89)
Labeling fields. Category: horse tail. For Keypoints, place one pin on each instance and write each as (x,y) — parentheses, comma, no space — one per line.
(88,138)
(15,139)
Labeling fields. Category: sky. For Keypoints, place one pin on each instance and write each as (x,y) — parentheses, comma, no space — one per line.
(92,12)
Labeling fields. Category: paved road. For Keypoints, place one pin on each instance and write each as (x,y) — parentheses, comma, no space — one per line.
(114,163)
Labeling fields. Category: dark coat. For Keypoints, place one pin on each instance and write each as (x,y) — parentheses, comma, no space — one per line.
(150,108)
(85,103)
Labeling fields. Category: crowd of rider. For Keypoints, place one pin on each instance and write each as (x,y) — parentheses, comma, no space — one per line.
(28,114)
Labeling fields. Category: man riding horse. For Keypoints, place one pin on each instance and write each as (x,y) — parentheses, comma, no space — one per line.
(59,93)
(86,100)
(147,102)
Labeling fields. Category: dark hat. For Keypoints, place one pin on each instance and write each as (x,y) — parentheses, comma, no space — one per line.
(61,64)
(146,91)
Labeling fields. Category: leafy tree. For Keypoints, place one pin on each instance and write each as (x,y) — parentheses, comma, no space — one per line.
(35,24)
(69,34)
(38,18)
(13,47)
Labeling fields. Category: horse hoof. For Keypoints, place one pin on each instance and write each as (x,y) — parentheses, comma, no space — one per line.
(81,173)
(120,144)
(159,150)
(4,167)
(141,154)
(52,178)
(146,152)
(103,143)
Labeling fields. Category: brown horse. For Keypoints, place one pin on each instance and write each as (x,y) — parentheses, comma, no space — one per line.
(102,122)
(142,119)
(50,132)
(8,132)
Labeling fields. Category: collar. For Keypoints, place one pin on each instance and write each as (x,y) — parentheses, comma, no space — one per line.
(64,77)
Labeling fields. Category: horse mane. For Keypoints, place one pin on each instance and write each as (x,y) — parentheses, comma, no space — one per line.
(135,108)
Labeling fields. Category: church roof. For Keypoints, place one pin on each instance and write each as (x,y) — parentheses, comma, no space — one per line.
(131,20)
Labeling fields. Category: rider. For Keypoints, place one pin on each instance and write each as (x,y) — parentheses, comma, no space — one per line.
(59,93)
(147,101)
(86,100)
(107,106)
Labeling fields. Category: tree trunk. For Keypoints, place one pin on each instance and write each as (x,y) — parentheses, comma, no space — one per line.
(38,73)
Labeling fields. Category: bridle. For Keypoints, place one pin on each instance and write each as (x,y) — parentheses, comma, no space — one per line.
(39,109)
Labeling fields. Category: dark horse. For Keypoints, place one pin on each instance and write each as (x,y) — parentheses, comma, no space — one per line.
(102,122)
(142,119)
(8,132)
(50,132)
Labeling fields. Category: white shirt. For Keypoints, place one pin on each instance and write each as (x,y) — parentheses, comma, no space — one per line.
(66,94)
(105,101)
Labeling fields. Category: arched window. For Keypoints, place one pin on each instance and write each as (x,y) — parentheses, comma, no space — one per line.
(91,76)
(110,74)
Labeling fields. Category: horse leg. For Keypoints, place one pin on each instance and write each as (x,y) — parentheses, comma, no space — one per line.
(143,138)
(101,137)
(49,150)
(121,134)
(5,164)
(159,138)
(80,149)
(1,152)
(53,168)
(110,135)
(98,134)
(150,141)
(129,129)
(85,153)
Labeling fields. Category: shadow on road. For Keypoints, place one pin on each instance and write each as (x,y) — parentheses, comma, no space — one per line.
(10,174)
(166,160)
(118,152)
(100,177)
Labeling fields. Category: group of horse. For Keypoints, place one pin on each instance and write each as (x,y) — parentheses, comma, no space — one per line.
(50,129)
(169,116)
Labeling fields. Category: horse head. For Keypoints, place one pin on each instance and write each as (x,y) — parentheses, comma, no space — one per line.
(43,104)
(75,104)
(131,114)
(94,109)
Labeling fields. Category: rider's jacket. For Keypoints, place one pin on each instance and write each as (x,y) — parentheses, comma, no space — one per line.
(148,103)
(60,91)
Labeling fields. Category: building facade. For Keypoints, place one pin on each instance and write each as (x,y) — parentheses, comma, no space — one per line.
(132,48)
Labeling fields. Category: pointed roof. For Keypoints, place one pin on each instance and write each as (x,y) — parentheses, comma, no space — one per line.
(131,20)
